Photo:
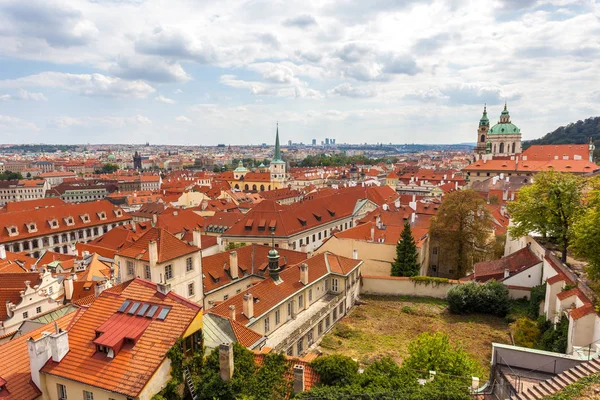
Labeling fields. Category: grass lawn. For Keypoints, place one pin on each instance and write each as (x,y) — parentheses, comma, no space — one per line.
(384,326)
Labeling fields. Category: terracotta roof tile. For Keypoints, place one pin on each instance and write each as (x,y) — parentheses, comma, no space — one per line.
(515,262)
(169,247)
(582,311)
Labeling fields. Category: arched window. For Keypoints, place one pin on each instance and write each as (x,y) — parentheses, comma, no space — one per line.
(254,187)
(246,187)
(482,139)
(501,148)
(269,187)
(513,147)
(262,188)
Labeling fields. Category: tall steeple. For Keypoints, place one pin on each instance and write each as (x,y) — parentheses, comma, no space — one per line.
(277,156)
(484,121)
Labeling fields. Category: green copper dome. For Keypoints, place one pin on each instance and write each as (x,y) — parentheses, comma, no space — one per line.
(484,121)
(504,129)
(273,253)
(241,168)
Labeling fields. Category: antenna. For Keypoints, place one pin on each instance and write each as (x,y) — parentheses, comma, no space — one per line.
(273,240)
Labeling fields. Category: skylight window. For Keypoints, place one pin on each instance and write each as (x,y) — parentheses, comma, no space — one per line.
(143,309)
(163,313)
(134,308)
(152,311)
(124,306)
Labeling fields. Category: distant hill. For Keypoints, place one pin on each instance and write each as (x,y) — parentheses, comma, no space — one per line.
(574,133)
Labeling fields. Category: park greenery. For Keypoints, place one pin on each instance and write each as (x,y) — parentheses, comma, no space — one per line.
(489,298)
(10,176)
(329,160)
(462,227)
(107,168)
(406,262)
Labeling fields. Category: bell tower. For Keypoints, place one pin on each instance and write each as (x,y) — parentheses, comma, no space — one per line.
(277,167)
(482,132)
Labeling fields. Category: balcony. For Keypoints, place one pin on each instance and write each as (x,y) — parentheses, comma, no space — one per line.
(294,329)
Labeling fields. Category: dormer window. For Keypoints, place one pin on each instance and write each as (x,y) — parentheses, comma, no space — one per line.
(31,227)
(102,215)
(118,213)
(69,221)
(85,218)
(53,223)
(12,230)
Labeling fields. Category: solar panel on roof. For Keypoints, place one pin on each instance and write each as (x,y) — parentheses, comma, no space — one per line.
(143,309)
(124,306)
(133,308)
(163,313)
(152,311)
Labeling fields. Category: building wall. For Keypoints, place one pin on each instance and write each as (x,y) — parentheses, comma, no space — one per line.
(582,331)
(230,290)
(74,389)
(377,257)
(403,286)
(529,278)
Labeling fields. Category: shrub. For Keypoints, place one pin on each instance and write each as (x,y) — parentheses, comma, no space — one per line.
(526,333)
(328,342)
(336,370)
(489,298)
(538,293)
(344,331)
(407,310)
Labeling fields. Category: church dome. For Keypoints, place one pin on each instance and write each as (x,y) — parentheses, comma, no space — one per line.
(504,129)
(111,157)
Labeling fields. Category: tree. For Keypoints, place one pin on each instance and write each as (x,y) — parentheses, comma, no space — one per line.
(463,228)
(586,237)
(406,262)
(432,351)
(107,168)
(336,370)
(10,176)
(549,206)
(28,175)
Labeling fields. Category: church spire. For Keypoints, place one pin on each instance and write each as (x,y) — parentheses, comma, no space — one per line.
(484,121)
(277,156)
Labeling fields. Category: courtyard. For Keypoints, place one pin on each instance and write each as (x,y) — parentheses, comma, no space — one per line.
(384,326)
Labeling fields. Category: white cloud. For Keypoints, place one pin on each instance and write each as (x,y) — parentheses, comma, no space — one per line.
(12,124)
(64,122)
(182,118)
(163,99)
(83,84)
(153,69)
(23,94)
(347,90)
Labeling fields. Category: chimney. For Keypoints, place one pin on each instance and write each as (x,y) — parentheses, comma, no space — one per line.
(226,361)
(355,254)
(298,378)
(59,344)
(412,218)
(39,354)
(197,238)
(232,312)
(304,274)
(154,219)
(233,264)
(2,252)
(378,222)
(133,226)
(397,203)
(506,273)
(99,288)
(153,253)
(68,284)
(248,306)
(372,232)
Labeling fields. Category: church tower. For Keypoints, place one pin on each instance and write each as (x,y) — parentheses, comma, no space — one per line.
(482,132)
(277,167)
(137,161)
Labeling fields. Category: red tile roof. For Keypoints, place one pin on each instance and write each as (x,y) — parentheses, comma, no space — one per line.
(16,262)
(515,262)
(29,205)
(109,243)
(180,221)
(245,336)
(582,311)
(251,259)
(42,217)
(552,151)
(267,293)
(169,247)
(14,363)
(133,366)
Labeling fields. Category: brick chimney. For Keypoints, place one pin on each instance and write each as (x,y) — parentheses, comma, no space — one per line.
(226,361)
(233,264)
(153,252)
(304,274)
(298,378)
(232,312)
(2,252)
(248,306)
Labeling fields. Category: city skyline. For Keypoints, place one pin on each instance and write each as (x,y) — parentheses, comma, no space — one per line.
(203,74)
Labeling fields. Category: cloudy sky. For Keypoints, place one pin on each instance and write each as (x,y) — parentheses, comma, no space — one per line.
(208,72)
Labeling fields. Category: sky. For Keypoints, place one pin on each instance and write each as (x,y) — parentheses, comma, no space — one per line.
(207,72)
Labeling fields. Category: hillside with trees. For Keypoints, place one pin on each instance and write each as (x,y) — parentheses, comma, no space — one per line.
(574,133)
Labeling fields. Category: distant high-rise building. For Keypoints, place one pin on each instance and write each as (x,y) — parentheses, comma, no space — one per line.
(326,141)
(332,141)
(314,142)
(289,143)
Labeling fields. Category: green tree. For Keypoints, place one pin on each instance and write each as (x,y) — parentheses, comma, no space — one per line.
(406,262)
(10,176)
(463,228)
(586,237)
(107,168)
(432,351)
(549,206)
(336,370)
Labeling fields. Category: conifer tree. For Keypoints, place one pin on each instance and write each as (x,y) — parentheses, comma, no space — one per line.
(406,262)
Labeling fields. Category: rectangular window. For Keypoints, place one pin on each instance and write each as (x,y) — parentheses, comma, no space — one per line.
(169,272)
(38,310)
(320,328)
(334,314)
(190,289)
(327,321)
(300,302)
(309,295)
(309,338)
(300,346)
(25,315)
(334,284)
(290,351)
(130,268)
(51,290)
(277,317)
(62,391)
(435,250)
(147,272)
(188,264)
(267,325)
(341,308)
(314,238)
(319,235)
(88,395)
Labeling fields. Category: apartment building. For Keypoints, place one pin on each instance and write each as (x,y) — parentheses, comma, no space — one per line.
(20,190)
(298,304)
(160,257)
(57,227)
